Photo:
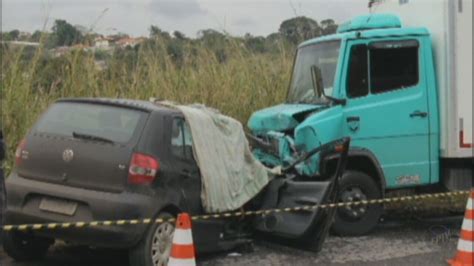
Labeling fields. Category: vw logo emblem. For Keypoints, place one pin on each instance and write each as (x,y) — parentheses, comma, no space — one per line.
(68,155)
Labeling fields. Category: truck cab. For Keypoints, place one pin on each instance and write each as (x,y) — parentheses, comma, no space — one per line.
(376,82)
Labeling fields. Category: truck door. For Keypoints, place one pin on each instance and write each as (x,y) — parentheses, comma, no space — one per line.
(387,107)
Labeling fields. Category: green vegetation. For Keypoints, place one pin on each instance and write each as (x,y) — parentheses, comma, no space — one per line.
(65,34)
(236,75)
(238,85)
(11,35)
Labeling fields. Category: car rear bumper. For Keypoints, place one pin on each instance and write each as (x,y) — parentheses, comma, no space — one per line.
(24,197)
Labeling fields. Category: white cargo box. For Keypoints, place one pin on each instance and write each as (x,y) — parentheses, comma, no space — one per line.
(450,24)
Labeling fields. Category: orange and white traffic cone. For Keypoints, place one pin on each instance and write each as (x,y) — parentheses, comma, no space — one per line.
(182,251)
(465,254)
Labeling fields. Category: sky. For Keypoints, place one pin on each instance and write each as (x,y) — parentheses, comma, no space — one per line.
(134,17)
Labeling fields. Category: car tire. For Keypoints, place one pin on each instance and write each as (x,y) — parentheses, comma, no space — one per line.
(25,247)
(155,247)
(357,220)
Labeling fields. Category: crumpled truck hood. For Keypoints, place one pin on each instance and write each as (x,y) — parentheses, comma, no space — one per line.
(279,118)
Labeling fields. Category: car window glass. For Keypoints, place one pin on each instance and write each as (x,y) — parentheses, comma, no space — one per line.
(357,81)
(181,140)
(188,142)
(114,123)
(393,68)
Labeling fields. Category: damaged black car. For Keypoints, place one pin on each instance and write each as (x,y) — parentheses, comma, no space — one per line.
(107,159)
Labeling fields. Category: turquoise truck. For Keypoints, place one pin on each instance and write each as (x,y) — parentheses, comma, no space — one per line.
(401,91)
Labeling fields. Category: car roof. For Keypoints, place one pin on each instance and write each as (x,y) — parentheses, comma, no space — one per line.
(141,105)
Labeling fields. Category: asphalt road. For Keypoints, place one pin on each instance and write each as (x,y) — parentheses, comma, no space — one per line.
(406,242)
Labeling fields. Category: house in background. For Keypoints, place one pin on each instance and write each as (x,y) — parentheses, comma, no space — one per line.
(129,42)
(102,42)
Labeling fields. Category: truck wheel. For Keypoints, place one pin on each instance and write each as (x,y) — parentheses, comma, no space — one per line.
(357,220)
(25,247)
(155,248)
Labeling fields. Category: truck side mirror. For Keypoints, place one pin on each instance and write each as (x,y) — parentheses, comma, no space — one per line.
(317,78)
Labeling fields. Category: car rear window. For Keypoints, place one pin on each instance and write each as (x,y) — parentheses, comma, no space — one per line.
(103,121)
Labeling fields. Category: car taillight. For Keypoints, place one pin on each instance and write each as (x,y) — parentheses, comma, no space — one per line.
(20,152)
(143,169)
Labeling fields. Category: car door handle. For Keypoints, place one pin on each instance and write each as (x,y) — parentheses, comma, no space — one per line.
(419,113)
(353,119)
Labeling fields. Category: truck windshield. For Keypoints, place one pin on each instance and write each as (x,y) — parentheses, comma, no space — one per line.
(322,55)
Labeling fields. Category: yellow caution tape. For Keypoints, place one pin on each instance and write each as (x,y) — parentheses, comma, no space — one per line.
(82,224)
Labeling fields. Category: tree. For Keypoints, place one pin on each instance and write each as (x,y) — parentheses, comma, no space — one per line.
(36,36)
(255,44)
(274,37)
(11,35)
(214,41)
(157,33)
(65,34)
(121,35)
(328,26)
(14,34)
(298,29)
(175,49)
(5,36)
(89,38)
(211,38)
(179,35)
(83,29)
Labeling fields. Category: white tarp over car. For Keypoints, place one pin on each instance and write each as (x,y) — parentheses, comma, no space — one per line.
(230,175)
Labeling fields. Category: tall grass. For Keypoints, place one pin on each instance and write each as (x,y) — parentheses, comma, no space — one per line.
(245,82)
(242,84)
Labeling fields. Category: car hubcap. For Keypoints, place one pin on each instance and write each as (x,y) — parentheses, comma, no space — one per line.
(353,194)
(161,244)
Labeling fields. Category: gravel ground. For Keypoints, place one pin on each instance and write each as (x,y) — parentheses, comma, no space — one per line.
(393,243)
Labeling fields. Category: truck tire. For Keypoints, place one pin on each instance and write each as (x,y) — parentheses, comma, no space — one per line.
(25,247)
(357,220)
(155,247)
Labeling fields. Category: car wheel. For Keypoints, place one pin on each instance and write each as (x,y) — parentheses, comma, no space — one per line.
(25,247)
(361,219)
(155,247)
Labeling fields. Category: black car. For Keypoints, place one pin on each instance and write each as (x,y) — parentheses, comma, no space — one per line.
(107,159)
